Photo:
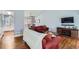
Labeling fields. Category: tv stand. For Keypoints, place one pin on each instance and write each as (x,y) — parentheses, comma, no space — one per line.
(68,32)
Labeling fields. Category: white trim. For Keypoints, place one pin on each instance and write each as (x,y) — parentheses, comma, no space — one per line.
(1,34)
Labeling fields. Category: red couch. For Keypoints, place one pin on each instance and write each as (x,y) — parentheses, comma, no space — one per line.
(51,43)
(40,29)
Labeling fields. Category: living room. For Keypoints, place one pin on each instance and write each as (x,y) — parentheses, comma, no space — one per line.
(52,19)
(47,36)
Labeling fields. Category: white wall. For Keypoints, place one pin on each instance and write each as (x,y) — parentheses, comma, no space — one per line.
(33,12)
(18,21)
(77,20)
(53,18)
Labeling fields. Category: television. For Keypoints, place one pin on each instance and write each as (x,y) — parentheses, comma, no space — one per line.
(67,20)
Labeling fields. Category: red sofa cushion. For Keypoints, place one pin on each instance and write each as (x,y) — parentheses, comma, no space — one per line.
(40,29)
(51,43)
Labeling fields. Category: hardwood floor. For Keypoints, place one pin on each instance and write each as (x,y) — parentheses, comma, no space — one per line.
(20,43)
(69,43)
(9,42)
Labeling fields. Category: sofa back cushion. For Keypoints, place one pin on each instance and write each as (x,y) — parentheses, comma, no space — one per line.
(51,43)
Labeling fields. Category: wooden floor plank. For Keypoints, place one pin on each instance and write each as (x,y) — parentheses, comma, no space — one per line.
(10,42)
